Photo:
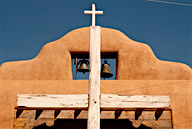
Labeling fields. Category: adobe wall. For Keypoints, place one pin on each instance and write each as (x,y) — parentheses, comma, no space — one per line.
(136,61)
(179,92)
(139,72)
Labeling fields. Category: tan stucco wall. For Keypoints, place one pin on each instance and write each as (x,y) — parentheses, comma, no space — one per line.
(139,72)
(136,61)
(179,91)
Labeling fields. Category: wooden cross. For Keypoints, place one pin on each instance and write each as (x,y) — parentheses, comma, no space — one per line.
(93,121)
(93,12)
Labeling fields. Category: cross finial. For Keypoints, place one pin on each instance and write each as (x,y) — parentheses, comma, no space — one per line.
(93,12)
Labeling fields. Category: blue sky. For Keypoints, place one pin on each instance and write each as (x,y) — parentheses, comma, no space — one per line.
(27,25)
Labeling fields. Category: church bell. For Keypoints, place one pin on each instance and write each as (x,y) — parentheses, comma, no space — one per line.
(83,66)
(105,70)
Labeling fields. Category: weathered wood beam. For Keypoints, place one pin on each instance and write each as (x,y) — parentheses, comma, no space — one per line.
(53,101)
(93,121)
(108,102)
(134,101)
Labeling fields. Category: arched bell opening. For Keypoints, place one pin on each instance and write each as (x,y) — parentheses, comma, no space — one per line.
(80,65)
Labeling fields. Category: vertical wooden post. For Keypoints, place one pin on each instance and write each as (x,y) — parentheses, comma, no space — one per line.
(94,79)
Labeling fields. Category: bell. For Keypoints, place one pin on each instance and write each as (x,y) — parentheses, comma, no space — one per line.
(83,66)
(105,70)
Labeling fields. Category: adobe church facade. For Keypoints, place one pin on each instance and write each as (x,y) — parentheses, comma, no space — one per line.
(138,72)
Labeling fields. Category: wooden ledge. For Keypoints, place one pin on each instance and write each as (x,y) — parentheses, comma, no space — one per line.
(80,102)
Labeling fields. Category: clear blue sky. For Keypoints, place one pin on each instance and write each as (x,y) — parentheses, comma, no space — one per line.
(27,25)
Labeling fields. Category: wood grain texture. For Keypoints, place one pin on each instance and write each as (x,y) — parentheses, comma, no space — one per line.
(108,101)
(94,79)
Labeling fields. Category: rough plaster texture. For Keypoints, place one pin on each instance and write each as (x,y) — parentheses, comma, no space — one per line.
(136,61)
(178,90)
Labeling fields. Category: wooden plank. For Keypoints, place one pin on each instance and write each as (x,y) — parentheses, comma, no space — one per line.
(41,101)
(93,121)
(108,102)
(134,101)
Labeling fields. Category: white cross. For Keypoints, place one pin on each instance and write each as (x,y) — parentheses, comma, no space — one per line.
(93,12)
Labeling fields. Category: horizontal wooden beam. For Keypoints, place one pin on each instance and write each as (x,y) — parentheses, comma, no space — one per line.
(108,102)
